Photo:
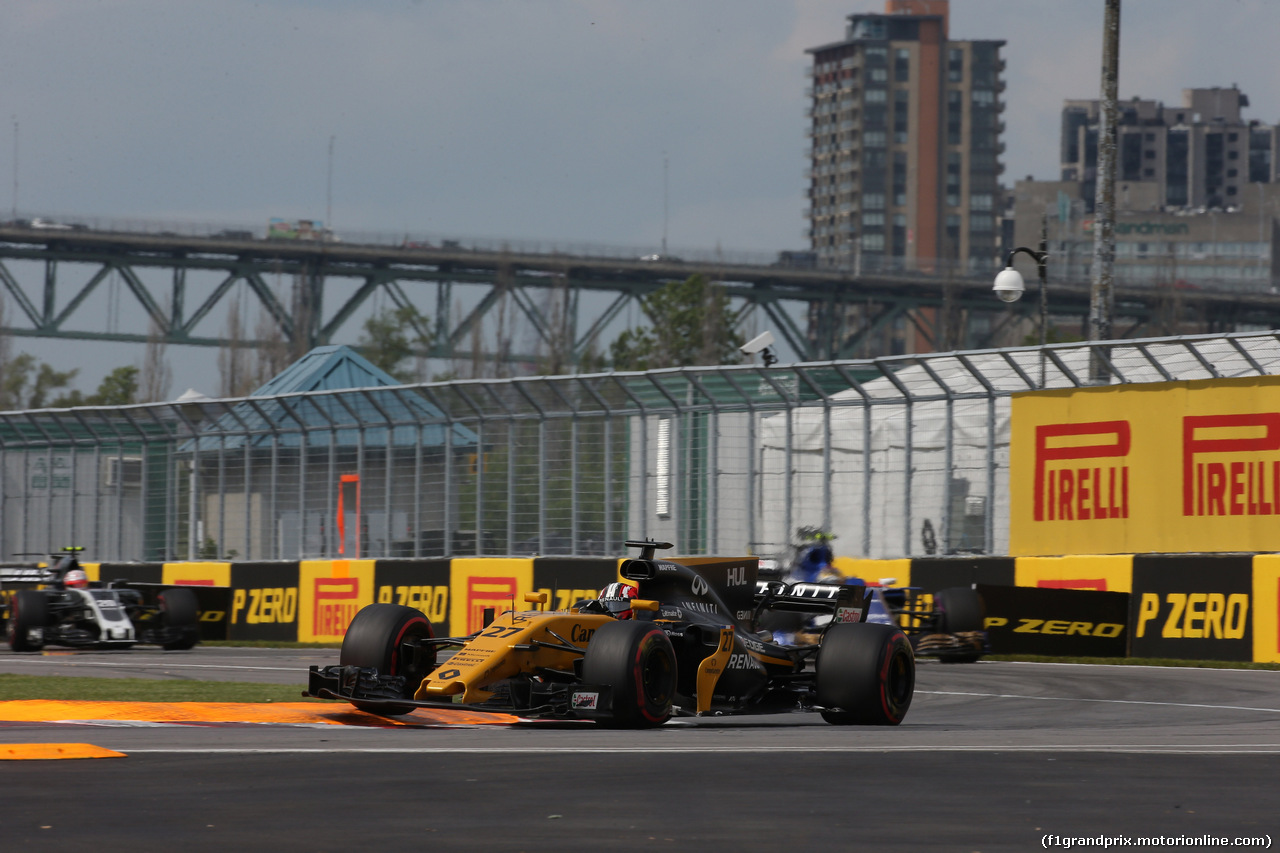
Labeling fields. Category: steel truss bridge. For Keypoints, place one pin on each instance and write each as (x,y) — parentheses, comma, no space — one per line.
(52,281)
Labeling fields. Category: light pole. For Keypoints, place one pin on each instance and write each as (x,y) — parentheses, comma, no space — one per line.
(1009,285)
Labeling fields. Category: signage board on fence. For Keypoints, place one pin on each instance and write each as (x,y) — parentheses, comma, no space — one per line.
(480,583)
(264,601)
(1046,621)
(330,593)
(1175,467)
(421,584)
(568,580)
(1266,608)
(931,574)
(1192,606)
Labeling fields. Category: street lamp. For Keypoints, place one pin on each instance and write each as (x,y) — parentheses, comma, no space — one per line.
(1009,285)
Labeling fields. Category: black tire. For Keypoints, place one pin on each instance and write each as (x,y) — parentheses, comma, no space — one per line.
(960,609)
(180,616)
(866,674)
(27,609)
(636,660)
(374,639)
(961,612)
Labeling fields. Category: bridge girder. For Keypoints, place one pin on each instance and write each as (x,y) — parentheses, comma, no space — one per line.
(843,315)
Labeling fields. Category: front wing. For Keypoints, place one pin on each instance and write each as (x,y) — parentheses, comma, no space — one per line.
(384,694)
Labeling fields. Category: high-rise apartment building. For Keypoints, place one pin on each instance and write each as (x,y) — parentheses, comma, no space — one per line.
(1201,154)
(1197,199)
(905,144)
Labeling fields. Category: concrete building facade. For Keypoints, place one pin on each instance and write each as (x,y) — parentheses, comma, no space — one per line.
(904,156)
(1200,155)
(1197,199)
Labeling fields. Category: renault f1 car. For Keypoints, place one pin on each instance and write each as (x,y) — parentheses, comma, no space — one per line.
(692,648)
(55,604)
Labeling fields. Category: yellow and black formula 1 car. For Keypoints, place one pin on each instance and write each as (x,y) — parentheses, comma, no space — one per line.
(693,647)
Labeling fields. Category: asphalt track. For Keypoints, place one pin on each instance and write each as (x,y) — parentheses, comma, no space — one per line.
(993,756)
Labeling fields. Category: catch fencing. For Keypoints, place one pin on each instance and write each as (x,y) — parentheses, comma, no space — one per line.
(897,457)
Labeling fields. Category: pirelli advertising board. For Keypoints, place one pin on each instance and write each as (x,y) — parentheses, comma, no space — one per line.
(1178,467)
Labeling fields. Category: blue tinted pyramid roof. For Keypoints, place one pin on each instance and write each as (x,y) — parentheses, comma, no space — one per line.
(333,392)
(330,368)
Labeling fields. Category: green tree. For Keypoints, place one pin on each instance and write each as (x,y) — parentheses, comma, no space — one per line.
(26,382)
(118,388)
(394,336)
(692,324)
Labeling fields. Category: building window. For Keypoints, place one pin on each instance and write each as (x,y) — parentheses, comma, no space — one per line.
(955,116)
(873,201)
(876,96)
(874,139)
(980,201)
(901,115)
(873,220)
(955,65)
(902,65)
(873,242)
(899,178)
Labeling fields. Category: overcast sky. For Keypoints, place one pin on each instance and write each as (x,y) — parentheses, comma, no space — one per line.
(529,119)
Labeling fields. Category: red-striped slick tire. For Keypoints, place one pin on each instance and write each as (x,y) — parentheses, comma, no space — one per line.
(375,638)
(635,659)
(866,674)
(27,610)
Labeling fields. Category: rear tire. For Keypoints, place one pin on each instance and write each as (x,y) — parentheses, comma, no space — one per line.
(960,609)
(866,674)
(375,639)
(27,609)
(963,613)
(180,616)
(637,660)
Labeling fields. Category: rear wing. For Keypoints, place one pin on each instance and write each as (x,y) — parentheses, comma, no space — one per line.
(26,574)
(848,602)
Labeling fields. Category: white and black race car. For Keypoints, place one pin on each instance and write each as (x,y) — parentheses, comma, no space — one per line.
(56,604)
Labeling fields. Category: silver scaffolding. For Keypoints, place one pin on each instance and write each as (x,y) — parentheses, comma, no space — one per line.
(898,456)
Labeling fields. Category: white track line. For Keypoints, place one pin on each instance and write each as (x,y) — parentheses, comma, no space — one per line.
(140,665)
(1102,701)
(1157,749)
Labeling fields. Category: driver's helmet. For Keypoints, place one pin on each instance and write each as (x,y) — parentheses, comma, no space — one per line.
(815,564)
(76,579)
(616,598)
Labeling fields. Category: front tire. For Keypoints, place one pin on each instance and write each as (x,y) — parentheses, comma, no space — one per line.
(27,609)
(637,660)
(380,636)
(180,616)
(866,674)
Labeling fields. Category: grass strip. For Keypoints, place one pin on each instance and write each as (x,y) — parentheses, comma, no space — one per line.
(69,688)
